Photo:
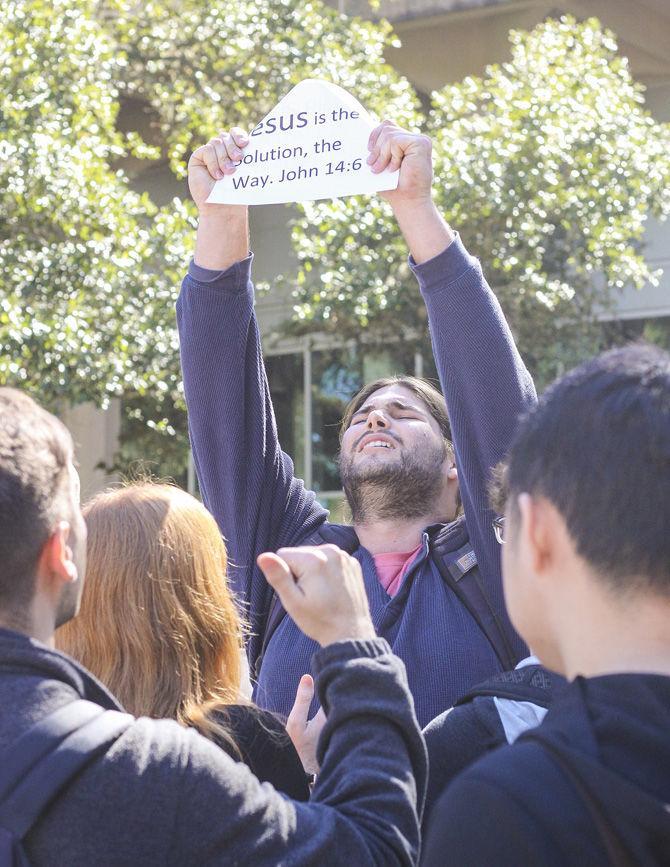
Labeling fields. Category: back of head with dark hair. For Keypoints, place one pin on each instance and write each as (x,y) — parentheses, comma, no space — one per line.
(35,451)
(598,447)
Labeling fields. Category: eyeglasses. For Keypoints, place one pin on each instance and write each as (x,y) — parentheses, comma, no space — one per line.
(499,530)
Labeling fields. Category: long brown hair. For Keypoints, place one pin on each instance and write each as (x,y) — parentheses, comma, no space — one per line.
(421,388)
(158,624)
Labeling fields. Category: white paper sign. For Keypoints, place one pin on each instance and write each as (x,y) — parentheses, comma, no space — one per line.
(312,145)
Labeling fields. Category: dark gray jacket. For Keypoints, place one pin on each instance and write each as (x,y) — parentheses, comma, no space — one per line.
(605,802)
(165,795)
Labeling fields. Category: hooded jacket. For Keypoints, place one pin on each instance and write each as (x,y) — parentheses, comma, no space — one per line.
(518,806)
(162,794)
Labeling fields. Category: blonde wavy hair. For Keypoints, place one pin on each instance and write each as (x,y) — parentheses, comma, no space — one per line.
(158,624)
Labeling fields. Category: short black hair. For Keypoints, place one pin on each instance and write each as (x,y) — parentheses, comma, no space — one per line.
(597,446)
(35,452)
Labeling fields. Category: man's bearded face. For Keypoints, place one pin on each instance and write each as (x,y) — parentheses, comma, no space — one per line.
(392,457)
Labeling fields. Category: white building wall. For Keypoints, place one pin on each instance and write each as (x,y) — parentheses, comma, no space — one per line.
(95,433)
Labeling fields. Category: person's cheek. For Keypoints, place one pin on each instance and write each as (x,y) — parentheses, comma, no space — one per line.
(348,441)
(507,558)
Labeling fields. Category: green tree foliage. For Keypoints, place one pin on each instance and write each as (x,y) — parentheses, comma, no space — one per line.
(203,65)
(89,267)
(85,275)
(548,165)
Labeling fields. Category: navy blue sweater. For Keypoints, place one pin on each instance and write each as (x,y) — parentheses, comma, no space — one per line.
(163,794)
(248,483)
(517,806)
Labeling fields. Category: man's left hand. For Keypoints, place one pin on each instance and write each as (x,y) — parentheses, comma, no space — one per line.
(394,148)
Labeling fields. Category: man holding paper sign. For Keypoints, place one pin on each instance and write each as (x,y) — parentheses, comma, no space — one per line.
(312,145)
(432,578)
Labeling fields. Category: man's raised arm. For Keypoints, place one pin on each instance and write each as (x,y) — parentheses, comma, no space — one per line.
(485,383)
(246,481)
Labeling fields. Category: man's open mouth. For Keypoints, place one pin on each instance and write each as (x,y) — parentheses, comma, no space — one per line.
(376,444)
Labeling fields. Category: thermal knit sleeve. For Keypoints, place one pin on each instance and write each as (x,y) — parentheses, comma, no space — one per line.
(246,481)
(485,383)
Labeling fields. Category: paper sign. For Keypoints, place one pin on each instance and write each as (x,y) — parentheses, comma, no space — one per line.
(312,145)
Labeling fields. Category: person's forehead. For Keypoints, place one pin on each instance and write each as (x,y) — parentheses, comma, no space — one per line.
(390,394)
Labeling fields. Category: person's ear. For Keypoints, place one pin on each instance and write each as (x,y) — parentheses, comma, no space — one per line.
(537,526)
(56,564)
(450,477)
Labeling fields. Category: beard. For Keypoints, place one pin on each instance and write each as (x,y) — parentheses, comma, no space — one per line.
(70,598)
(408,488)
(68,604)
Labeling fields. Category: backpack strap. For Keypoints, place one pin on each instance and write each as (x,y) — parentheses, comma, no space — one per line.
(328,534)
(460,571)
(531,683)
(44,759)
(458,567)
(594,782)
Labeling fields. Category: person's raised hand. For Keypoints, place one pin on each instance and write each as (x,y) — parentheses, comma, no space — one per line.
(394,148)
(322,589)
(213,161)
(305,732)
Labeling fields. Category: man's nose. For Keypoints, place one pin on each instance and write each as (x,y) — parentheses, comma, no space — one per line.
(376,420)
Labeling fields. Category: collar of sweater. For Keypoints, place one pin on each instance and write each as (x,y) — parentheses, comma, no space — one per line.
(21,655)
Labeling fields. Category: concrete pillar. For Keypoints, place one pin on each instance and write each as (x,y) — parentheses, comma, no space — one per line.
(95,433)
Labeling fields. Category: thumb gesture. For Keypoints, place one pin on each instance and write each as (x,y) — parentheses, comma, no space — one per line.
(303,732)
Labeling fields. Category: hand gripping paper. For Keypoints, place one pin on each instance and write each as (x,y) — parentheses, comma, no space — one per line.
(312,145)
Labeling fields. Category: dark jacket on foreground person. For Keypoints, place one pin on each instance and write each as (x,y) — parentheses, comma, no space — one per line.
(517,806)
(490,715)
(265,747)
(162,794)
(248,483)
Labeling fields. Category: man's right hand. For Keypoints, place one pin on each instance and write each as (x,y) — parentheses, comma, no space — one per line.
(322,589)
(223,230)
(211,162)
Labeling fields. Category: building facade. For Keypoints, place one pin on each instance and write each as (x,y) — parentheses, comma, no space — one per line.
(442,41)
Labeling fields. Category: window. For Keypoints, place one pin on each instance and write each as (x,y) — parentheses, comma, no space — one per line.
(336,376)
(286,380)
